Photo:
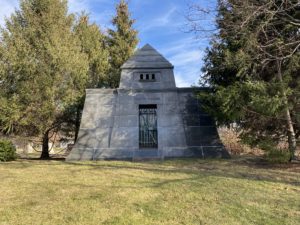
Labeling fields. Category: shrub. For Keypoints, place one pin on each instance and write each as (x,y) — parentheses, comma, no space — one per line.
(278,156)
(274,153)
(7,151)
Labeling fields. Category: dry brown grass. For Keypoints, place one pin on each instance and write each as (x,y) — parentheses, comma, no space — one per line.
(232,143)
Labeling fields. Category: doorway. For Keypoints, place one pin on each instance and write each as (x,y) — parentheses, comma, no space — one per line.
(148,126)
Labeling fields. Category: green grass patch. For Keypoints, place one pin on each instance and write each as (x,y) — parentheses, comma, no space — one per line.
(169,192)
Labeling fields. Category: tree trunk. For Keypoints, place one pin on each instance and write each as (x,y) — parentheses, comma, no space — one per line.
(77,123)
(289,123)
(45,147)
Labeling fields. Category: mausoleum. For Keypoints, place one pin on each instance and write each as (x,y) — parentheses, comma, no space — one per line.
(147,117)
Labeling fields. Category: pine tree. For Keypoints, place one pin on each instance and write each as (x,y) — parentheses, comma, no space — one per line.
(122,42)
(253,69)
(43,69)
(93,44)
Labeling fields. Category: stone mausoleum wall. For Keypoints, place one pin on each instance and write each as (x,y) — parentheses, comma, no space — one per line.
(110,121)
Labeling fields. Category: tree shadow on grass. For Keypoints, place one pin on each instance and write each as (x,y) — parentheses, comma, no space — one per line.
(224,168)
(250,169)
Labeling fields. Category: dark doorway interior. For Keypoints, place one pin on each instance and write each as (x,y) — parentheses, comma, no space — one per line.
(148,126)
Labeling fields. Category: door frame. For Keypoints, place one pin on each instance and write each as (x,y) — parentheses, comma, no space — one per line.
(148,139)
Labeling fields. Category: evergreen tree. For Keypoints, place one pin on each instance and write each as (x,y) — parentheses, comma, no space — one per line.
(253,69)
(93,44)
(122,42)
(43,70)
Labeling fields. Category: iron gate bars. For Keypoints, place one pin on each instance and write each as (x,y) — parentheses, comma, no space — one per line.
(148,126)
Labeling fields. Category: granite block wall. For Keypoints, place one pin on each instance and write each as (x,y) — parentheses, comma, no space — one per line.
(110,126)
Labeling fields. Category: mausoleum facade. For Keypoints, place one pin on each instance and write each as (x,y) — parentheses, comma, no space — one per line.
(146,117)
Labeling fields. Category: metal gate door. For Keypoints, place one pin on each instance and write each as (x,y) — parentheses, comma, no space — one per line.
(148,126)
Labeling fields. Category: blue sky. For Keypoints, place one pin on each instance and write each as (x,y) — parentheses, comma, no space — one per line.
(161,23)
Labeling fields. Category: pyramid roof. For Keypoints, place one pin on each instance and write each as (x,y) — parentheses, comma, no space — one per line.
(147,57)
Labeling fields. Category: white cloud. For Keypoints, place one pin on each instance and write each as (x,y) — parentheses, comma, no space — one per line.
(166,18)
(85,5)
(7,7)
(163,20)
(186,56)
(101,18)
(186,77)
(181,80)
(77,6)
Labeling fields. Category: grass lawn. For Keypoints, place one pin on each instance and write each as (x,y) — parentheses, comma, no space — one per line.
(231,192)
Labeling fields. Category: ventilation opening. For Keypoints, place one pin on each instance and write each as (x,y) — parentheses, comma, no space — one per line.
(147,77)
